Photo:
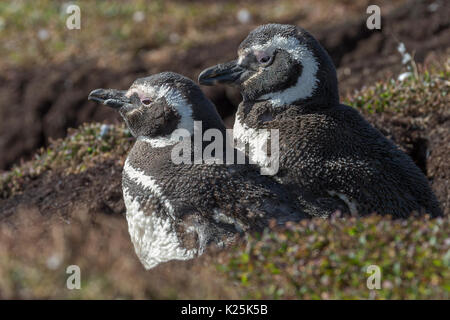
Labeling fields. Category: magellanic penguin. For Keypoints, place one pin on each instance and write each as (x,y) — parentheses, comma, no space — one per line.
(288,82)
(175,209)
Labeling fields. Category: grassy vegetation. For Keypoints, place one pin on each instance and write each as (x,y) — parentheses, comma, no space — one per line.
(317,259)
(35,31)
(35,266)
(324,259)
(83,148)
(426,92)
(116,27)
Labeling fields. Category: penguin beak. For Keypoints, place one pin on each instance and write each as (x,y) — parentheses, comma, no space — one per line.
(110,97)
(229,72)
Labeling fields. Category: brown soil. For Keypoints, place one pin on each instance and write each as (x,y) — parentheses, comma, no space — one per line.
(97,189)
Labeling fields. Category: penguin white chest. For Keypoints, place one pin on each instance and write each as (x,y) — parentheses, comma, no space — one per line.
(256,139)
(153,234)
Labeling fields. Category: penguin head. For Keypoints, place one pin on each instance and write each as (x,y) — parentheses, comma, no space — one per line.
(282,64)
(157,105)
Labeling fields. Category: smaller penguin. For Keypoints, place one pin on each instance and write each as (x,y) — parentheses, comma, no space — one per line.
(175,210)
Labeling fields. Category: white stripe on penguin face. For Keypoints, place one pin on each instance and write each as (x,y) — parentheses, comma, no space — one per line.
(306,83)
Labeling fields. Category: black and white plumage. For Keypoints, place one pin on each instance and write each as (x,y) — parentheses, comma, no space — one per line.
(175,210)
(288,82)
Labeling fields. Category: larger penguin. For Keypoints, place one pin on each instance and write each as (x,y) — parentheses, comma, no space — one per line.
(175,209)
(288,82)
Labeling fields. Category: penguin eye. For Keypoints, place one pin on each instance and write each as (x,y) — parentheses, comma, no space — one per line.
(146,101)
(265,59)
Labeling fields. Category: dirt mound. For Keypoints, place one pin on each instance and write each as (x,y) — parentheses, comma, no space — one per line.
(98,189)
(425,136)
(42,102)
(417,119)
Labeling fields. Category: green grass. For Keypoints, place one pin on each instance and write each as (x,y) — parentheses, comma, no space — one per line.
(323,259)
(111,30)
(112,33)
(429,90)
(83,148)
(315,259)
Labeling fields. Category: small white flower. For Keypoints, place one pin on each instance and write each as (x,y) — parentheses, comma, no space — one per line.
(403,76)
(244,16)
(43,34)
(139,16)
(401,48)
(406,58)
(54,261)
(433,7)
(104,129)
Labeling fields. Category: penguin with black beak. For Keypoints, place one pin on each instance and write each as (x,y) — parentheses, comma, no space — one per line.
(288,82)
(176,209)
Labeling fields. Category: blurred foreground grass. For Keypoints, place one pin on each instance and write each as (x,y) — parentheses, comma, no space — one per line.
(323,259)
